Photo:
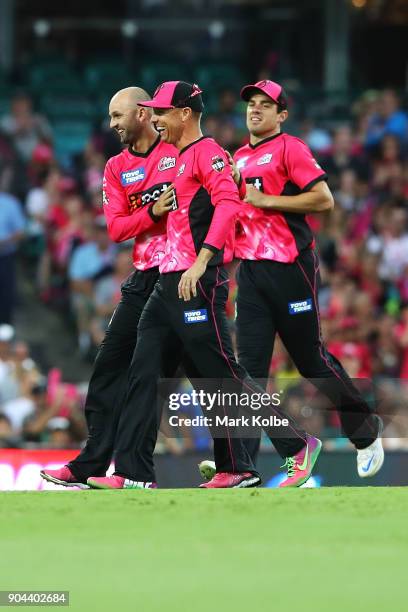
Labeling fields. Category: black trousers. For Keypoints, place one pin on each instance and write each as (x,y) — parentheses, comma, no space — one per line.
(207,344)
(281,298)
(7,287)
(108,384)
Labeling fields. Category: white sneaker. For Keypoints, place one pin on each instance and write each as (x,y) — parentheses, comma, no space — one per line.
(370,459)
(207,469)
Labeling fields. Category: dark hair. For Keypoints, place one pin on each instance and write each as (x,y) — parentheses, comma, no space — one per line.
(282,101)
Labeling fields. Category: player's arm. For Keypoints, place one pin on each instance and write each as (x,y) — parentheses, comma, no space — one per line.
(318,199)
(123,225)
(187,286)
(236,175)
(224,196)
(304,172)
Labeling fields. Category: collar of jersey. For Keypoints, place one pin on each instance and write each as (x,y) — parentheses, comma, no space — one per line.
(192,143)
(137,154)
(261,142)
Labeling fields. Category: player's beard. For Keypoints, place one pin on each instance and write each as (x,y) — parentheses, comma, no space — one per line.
(126,138)
(130,135)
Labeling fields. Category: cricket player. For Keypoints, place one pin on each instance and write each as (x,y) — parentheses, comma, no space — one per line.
(137,195)
(278,277)
(189,300)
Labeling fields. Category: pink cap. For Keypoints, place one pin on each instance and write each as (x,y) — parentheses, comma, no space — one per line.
(270,88)
(176,94)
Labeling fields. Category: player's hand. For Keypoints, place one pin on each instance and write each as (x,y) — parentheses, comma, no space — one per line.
(255,197)
(236,175)
(165,203)
(187,287)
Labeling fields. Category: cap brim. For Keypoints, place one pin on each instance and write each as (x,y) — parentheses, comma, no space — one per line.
(154,104)
(249,90)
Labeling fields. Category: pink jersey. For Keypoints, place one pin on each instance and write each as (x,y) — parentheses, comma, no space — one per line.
(131,185)
(279,165)
(205,207)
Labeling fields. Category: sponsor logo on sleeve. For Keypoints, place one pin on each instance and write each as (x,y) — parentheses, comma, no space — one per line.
(256,181)
(302,306)
(195,316)
(132,176)
(217,163)
(166,163)
(265,159)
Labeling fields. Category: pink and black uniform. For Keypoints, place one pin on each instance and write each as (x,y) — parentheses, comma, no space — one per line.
(278,165)
(133,182)
(279,275)
(205,208)
(206,205)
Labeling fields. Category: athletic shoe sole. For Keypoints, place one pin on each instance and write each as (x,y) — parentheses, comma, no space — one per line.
(248,483)
(64,483)
(95,485)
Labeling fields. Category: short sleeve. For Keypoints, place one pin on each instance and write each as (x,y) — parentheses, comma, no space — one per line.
(302,168)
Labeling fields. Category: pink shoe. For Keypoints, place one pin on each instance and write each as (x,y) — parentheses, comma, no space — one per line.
(118,482)
(226,480)
(299,467)
(63,476)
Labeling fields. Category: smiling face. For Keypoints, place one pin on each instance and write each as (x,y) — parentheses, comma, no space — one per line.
(263,118)
(170,123)
(125,119)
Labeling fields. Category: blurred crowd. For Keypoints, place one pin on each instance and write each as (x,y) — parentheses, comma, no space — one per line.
(51,218)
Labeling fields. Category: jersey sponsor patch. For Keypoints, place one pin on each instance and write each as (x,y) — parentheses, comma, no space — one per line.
(241,163)
(195,316)
(298,307)
(256,181)
(132,176)
(217,163)
(142,198)
(265,159)
(166,163)
(181,169)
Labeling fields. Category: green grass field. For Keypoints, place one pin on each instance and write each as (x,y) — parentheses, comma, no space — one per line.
(313,549)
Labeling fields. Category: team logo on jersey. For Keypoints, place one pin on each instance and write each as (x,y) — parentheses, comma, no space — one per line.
(166,163)
(303,306)
(241,163)
(181,169)
(195,316)
(265,159)
(217,163)
(256,181)
(149,196)
(132,176)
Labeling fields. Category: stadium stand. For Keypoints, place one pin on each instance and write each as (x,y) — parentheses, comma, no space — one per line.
(362,143)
